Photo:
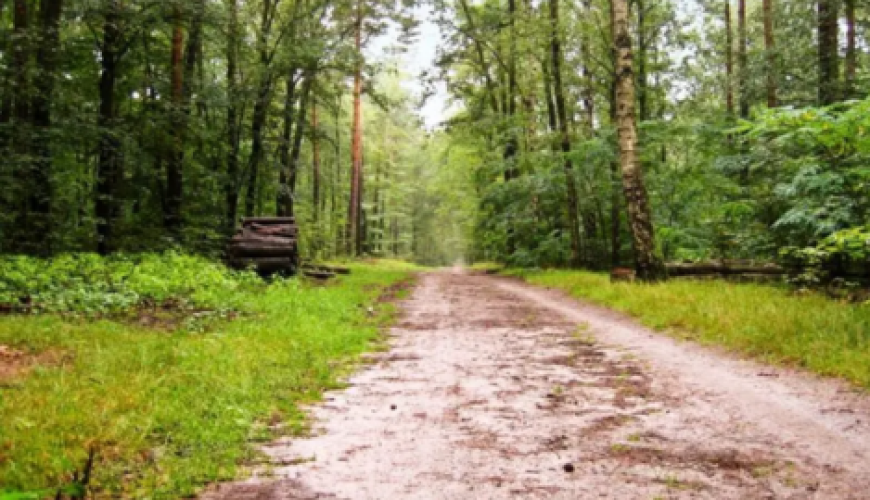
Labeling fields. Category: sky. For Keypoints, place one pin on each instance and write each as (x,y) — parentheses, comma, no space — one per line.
(419,58)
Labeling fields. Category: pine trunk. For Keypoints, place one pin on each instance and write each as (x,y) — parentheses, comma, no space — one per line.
(355,211)
(648,266)
(315,162)
(174,174)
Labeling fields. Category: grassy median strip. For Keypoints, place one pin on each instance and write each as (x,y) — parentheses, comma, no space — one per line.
(165,411)
(767,322)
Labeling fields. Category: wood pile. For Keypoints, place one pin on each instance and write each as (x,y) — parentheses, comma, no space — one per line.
(267,244)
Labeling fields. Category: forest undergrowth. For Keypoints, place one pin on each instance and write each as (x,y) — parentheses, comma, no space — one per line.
(166,407)
(774,324)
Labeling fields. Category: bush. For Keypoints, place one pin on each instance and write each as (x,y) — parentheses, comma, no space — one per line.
(88,283)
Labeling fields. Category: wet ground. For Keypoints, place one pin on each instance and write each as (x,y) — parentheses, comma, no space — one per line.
(494,389)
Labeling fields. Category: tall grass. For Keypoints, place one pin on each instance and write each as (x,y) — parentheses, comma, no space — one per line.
(168,413)
(767,322)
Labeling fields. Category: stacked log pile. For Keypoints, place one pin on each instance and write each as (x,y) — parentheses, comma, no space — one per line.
(267,244)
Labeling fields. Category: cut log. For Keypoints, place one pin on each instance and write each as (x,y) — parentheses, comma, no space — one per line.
(263,239)
(250,248)
(269,221)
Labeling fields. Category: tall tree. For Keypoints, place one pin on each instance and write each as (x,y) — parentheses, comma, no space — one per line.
(564,133)
(39,196)
(770,54)
(175,161)
(355,236)
(232,181)
(742,60)
(729,61)
(851,62)
(828,39)
(648,265)
(110,168)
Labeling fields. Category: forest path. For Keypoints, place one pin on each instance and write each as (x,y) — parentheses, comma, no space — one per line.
(495,389)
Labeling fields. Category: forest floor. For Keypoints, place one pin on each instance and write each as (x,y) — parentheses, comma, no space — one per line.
(496,389)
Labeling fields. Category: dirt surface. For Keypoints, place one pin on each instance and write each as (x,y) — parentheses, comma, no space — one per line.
(494,389)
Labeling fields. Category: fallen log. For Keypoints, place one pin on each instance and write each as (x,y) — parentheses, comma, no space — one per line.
(326,268)
(713,268)
(318,275)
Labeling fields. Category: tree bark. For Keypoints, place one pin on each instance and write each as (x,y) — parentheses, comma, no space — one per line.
(232,181)
(615,197)
(729,62)
(39,198)
(642,97)
(261,107)
(851,62)
(829,67)
(648,265)
(315,162)
(298,134)
(284,202)
(564,134)
(355,211)
(742,60)
(110,169)
(175,160)
(770,54)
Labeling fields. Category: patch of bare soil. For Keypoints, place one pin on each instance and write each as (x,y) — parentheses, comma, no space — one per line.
(15,363)
(493,389)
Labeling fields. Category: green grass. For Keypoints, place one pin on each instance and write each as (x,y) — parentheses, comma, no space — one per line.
(169,412)
(767,322)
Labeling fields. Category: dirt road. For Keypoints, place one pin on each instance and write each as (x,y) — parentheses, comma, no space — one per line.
(494,389)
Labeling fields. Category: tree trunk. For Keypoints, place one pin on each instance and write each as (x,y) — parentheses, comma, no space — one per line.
(564,134)
(770,54)
(315,162)
(742,60)
(40,189)
(261,107)
(355,212)
(298,134)
(729,62)
(642,97)
(851,63)
(232,181)
(615,197)
(21,116)
(110,169)
(284,202)
(828,35)
(648,266)
(175,160)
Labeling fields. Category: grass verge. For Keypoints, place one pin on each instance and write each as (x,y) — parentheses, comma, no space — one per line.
(767,322)
(166,413)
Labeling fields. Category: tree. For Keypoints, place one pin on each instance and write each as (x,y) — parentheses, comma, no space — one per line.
(565,134)
(648,265)
(828,36)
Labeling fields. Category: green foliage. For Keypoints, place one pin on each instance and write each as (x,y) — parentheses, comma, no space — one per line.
(810,331)
(168,414)
(88,283)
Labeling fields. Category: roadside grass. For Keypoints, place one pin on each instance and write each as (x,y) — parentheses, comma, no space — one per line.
(766,322)
(169,412)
